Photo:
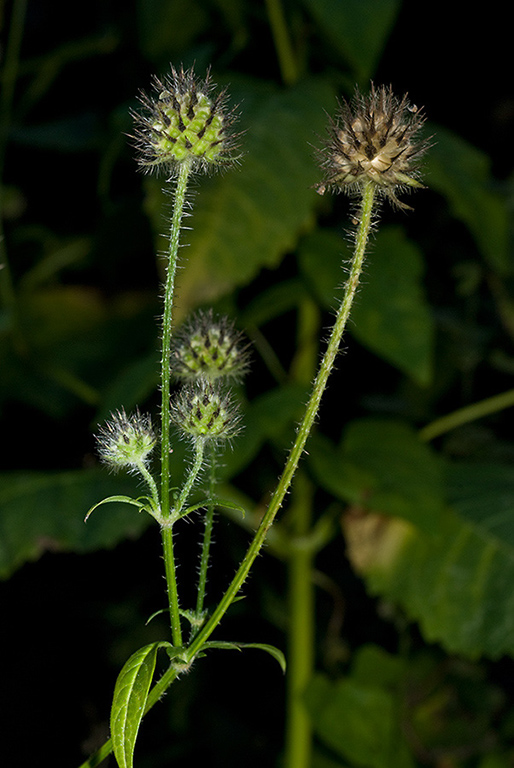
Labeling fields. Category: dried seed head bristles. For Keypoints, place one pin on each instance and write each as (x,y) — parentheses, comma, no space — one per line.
(373,139)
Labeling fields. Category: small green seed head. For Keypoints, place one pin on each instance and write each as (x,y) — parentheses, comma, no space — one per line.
(204,412)
(372,139)
(183,122)
(126,442)
(209,347)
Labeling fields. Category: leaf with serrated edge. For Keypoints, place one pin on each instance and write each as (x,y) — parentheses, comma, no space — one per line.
(457,581)
(59,498)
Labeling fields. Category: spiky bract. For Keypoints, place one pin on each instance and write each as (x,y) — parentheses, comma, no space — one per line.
(184,122)
(209,347)
(202,410)
(125,442)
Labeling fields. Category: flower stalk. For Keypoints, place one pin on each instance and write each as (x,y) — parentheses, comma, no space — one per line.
(167,324)
(284,483)
(207,538)
(167,327)
(370,153)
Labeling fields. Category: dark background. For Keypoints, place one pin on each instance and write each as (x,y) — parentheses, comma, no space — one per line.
(70,621)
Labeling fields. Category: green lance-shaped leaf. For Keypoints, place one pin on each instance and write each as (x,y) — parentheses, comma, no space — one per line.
(228,646)
(142,503)
(130,698)
(219,503)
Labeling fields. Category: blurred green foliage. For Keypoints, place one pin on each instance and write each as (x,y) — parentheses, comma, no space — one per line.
(408,680)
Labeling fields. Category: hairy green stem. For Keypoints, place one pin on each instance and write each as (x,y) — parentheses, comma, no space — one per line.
(284,483)
(207,537)
(327,363)
(192,477)
(167,534)
(150,482)
(171,583)
(167,324)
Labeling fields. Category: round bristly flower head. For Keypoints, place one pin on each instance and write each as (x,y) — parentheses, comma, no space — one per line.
(209,347)
(125,442)
(184,122)
(205,412)
(373,139)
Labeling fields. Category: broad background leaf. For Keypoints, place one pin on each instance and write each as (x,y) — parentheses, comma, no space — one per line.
(381,464)
(450,568)
(462,173)
(249,217)
(358,29)
(45,511)
(390,316)
(359,720)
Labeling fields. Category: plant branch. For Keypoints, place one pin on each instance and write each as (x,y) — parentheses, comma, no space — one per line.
(207,537)
(167,533)
(468,413)
(176,222)
(327,363)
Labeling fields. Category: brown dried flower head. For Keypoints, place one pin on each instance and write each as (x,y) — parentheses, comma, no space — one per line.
(184,122)
(373,139)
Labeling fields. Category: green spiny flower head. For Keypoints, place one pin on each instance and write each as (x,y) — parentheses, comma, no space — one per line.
(373,139)
(184,122)
(126,442)
(209,347)
(203,411)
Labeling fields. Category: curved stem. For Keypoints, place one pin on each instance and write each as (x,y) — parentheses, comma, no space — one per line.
(467,414)
(191,478)
(287,475)
(305,427)
(167,543)
(150,482)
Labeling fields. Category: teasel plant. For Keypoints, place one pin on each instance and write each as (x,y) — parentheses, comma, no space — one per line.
(372,152)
